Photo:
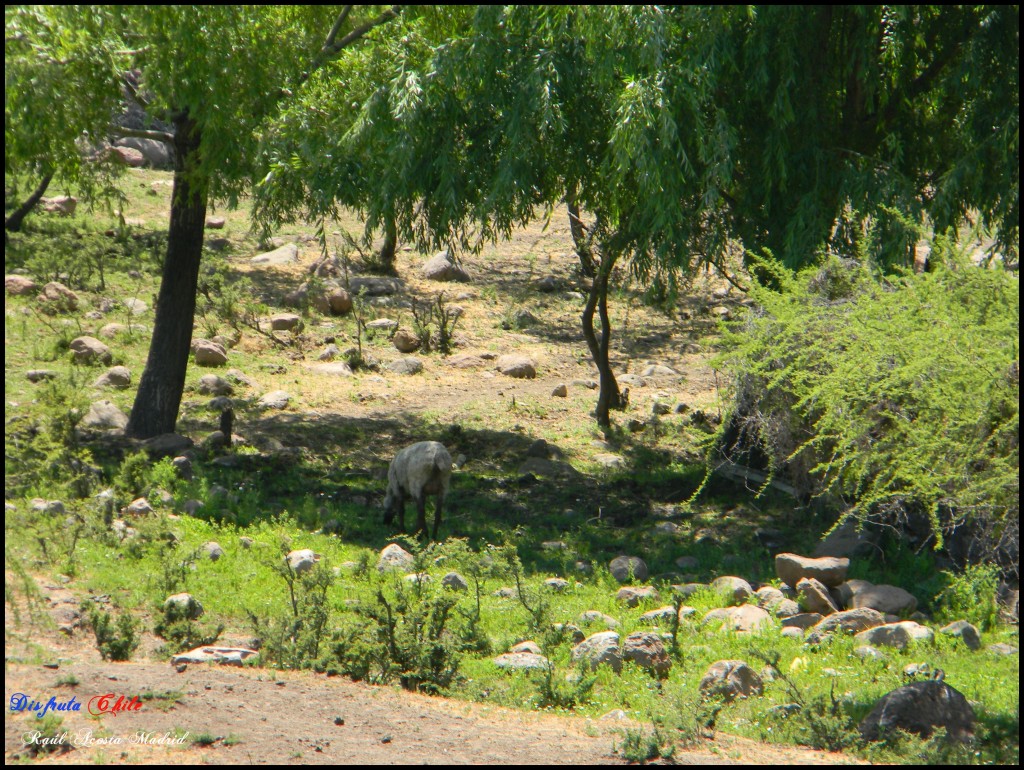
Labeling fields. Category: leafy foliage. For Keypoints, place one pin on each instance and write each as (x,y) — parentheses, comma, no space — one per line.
(892,396)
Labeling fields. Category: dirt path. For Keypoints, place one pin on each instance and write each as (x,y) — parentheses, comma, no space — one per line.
(300,718)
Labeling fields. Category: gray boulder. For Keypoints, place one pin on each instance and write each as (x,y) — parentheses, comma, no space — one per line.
(731,679)
(625,568)
(647,650)
(921,707)
(599,649)
(830,571)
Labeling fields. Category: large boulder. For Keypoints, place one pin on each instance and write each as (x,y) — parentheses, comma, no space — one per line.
(647,650)
(846,622)
(441,267)
(815,597)
(625,568)
(921,707)
(830,571)
(599,649)
(744,619)
(891,600)
(735,589)
(731,679)
(89,350)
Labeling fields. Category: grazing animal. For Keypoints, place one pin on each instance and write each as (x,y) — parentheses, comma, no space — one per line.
(421,469)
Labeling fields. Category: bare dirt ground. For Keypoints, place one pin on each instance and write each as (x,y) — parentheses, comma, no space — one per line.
(256,716)
(262,717)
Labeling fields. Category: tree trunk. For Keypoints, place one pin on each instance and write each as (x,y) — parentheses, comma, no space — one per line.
(13,223)
(579,236)
(609,396)
(159,396)
(386,256)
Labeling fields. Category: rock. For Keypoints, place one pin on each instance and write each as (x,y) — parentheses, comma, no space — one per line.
(657,370)
(688,562)
(90,350)
(187,604)
(213,550)
(848,622)
(593,616)
(626,568)
(278,399)
(154,153)
(136,306)
(517,366)
(815,597)
(18,286)
(665,614)
(405,341)
(786,608)
(285,255)
(735,589)
(898,635)
(167,445)
(335,368)
(884,598)
(634,595)
(64,205)
(138,507)
(103,415)
(215,223)
(768,597)
(209,353)
(921,707)
(455,582)
(115,377)
(374,286)
(382,324)
(964,631)
(518,661)
(394,557)
(557,584)
(129,156)
(830,571)
(731,679)
(846,541)
(744,619)
(232,656)
(803,620)
(286,322)
(560,391)
(441,267)
(58,298)
(211,384)
(39,375)
(527,646)
(550,469)
(407,365)
(599,649)
(1000,648)
(302,560)
(647,650)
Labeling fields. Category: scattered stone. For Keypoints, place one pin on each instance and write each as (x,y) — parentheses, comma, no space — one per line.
(745,619)
(18,286)
(335,368)
(847,622)
(39,375)
(815,597)
(209,353)
(90,350)
(187,603)
(599,649)
(302,560)
(522,661)
(594,616)
(407,365)
(64,205)
(231,656)
(284,255)
(921,707)
(138,507)
(405,341)
(731,679)
(277,399)
(441,267)
(212,384)
(846,541)
(647,651)
(556,584)
(136,306)
(688,562)
(58,298)
(634,595)
(286,322)
(215,223)
(898,635)
(167,445)
(884,598)
(803,620)
(115,377)
(736,589)
(213,550)
(394,557)
(455,582)
(104,415)
(627,568)
(829,571)
(374,286)
(560,391)
(517,366)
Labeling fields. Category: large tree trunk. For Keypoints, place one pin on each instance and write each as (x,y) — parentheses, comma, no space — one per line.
(608,396)
(12,224)
(159,396)
(385,261)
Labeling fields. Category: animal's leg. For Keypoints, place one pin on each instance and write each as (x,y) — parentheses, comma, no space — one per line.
(421,513)
(437,513)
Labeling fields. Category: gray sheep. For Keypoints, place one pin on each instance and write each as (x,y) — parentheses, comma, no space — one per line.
(421,469)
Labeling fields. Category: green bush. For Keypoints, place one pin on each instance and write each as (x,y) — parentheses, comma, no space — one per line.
(896,397)
(116,640)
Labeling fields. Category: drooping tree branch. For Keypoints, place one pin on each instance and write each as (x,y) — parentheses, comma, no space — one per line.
(160,136)
(12,223)
(332,46)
